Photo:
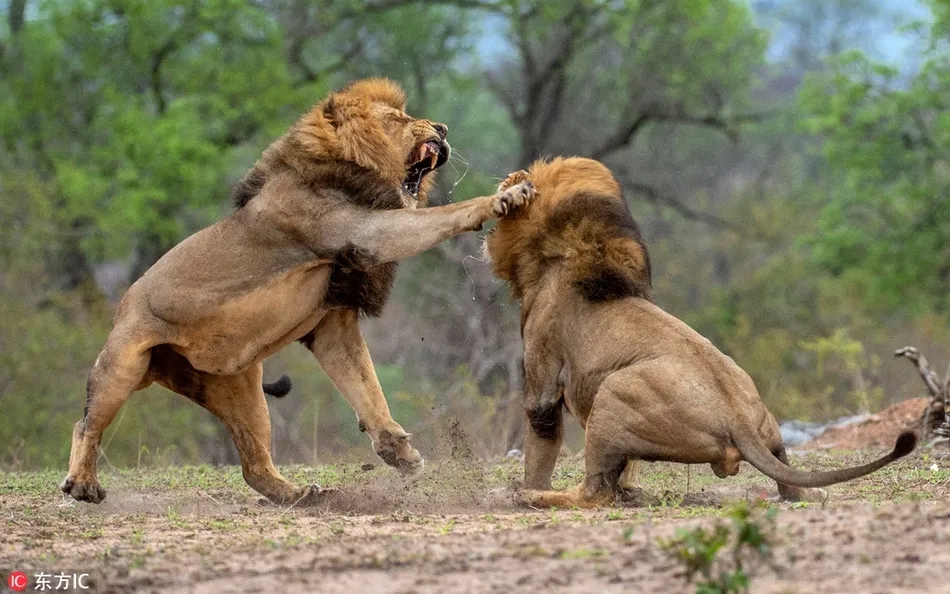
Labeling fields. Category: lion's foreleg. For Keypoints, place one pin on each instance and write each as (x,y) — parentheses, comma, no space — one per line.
(544,424)
(339,347)
(393,235)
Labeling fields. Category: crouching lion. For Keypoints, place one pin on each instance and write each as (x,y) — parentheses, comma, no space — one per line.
(321,220)
(644,385)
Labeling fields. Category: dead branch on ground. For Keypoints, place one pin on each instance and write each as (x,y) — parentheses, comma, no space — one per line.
(935,422)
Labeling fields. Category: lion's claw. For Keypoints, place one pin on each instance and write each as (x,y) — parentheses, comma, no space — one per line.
(513,178)
(313,494)
(513,198)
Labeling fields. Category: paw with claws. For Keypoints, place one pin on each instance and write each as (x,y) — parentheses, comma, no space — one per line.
(311,495)
(307,496)
(515,177)
(394,448)
(83,491)
(509,200)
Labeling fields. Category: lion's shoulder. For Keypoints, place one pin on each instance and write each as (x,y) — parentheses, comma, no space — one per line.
(357,185)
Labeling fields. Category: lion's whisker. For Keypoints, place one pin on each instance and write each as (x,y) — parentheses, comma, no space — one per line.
(455,156)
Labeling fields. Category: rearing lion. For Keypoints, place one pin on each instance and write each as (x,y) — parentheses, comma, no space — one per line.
(322,218)
(643,384)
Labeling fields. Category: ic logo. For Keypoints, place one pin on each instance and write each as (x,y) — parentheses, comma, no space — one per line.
(17,581)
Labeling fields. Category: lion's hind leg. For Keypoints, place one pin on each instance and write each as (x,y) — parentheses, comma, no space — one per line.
(238,400)
(119,370)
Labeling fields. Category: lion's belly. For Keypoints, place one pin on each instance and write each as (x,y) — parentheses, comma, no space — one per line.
(247,329)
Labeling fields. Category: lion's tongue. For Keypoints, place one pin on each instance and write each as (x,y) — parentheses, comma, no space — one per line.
(430,151)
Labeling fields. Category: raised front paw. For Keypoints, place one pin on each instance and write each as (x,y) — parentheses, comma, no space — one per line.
(515,177)
(395,450)
(508,201)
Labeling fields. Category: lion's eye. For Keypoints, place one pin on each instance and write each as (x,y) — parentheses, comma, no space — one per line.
(398,117)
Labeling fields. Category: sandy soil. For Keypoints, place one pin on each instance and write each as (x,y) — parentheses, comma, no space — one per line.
(457,528)
(879,429)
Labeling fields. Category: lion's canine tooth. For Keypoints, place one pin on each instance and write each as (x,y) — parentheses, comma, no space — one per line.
(435,159)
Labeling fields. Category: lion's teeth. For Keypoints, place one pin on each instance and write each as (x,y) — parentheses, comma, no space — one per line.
(435,159)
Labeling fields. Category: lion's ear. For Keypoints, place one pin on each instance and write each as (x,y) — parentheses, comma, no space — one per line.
(341,107)
(330,111)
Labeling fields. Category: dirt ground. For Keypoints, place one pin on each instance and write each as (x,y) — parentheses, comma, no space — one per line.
(879,429)
(458,528)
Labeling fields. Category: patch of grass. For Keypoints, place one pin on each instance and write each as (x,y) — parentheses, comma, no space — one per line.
(505,473)
(43,482)
(568,474)
(447,528)
(92,533)
(174,518)
(695,511)
(534,550)
(583,553)
(746,544)
(291,540)
(173,478)
(222,524)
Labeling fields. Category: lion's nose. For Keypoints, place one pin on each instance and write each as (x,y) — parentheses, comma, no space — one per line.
(441,129)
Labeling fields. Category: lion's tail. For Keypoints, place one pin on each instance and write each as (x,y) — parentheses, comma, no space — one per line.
(758,455)
(280,388)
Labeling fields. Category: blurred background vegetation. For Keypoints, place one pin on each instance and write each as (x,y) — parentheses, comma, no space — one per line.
(788,160)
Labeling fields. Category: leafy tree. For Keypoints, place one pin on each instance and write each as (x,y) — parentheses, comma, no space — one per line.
(124,123)
(885,225)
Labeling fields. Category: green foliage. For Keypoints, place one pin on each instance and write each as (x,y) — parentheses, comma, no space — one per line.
(883,225)
(124,123)
(131,109)
(745,544)
(838,350)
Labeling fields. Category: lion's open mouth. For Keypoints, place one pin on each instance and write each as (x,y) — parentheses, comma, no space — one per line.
(427,157)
